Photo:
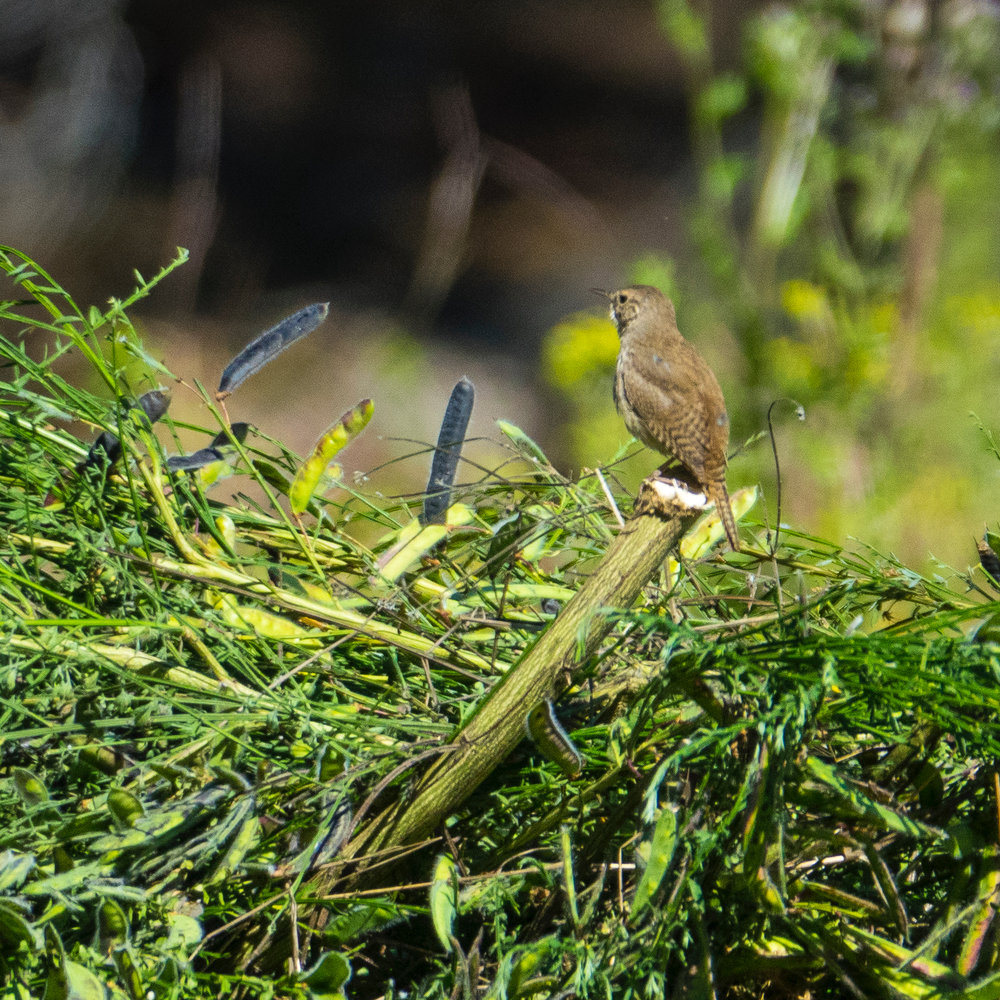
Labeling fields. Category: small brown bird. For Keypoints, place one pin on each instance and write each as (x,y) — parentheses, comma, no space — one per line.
(667,394)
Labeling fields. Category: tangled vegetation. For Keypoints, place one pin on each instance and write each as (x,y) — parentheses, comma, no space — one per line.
(779,777)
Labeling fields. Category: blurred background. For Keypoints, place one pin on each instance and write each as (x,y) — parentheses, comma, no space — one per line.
(816,184)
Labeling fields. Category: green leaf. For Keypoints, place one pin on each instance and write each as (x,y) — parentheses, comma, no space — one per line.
(863,805)
(128,974)
(522,442)
(83,984)
(659,852)
(722,98)
(327,977)
(125,808)
(15,927)
(684,27)
(247,837)
(985,989)
(14,870)
(522,982)
(363,917)
(183,931)
(444,899)
(68,980)
(112,926)
(29,787)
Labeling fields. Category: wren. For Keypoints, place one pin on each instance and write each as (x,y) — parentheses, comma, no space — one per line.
(667,394)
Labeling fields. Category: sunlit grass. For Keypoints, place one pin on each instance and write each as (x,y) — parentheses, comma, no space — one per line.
(787,783)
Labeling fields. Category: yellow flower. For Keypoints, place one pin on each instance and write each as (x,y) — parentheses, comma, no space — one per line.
(804,301)
(581,345)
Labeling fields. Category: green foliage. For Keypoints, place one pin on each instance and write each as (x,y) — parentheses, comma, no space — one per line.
(786,772)
(841,249)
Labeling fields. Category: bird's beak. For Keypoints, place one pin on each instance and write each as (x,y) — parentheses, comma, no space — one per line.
(602,292)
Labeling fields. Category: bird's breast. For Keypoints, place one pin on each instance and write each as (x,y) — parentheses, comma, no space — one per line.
(630,400)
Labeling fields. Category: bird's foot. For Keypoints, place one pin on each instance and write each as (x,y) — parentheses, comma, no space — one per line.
(669,497)
(678,492)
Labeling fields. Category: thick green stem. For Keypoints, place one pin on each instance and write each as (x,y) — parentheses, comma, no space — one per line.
(542,672)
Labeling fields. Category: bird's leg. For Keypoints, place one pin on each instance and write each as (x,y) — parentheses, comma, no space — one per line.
(678,492)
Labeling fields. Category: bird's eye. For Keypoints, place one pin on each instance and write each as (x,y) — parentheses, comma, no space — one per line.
(622,299)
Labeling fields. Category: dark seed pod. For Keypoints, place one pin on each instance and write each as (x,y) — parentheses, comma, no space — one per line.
(269,345)
(444,465)
(216,452)
(196,460)
(339,828)
(990,562)
(106,444)
(551,739)
(154,404)
(239,431)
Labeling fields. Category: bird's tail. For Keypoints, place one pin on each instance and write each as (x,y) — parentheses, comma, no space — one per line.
(721,497)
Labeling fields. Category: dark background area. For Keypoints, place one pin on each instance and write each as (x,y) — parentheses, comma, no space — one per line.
(299,144)
(815,188)
(454,177)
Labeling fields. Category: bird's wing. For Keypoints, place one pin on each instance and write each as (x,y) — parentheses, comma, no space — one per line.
(676,414)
